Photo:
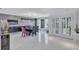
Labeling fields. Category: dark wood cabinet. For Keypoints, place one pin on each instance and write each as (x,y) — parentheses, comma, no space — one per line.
(5,42)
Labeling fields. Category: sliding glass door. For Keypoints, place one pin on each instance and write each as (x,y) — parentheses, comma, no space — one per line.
(66,26)
(63,26)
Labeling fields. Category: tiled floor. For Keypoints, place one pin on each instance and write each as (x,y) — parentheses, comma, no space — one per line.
(40,42)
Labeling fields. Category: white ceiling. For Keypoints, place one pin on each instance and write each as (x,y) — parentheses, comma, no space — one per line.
(35,12)
(27,12)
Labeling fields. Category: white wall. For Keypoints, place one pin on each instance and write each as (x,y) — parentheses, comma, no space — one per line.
(0,42)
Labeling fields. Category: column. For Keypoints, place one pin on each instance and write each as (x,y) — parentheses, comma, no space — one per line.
(39,34)
(46,29)
(35,21)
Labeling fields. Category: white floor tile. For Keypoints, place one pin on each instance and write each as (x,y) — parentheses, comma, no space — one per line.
(40,42)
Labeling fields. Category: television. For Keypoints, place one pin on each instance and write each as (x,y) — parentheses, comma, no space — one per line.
(12,22)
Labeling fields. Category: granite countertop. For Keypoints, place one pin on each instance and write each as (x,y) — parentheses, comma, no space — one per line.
(4,34)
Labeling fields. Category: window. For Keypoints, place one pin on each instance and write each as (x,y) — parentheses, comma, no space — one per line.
(42,23)
(57,25)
